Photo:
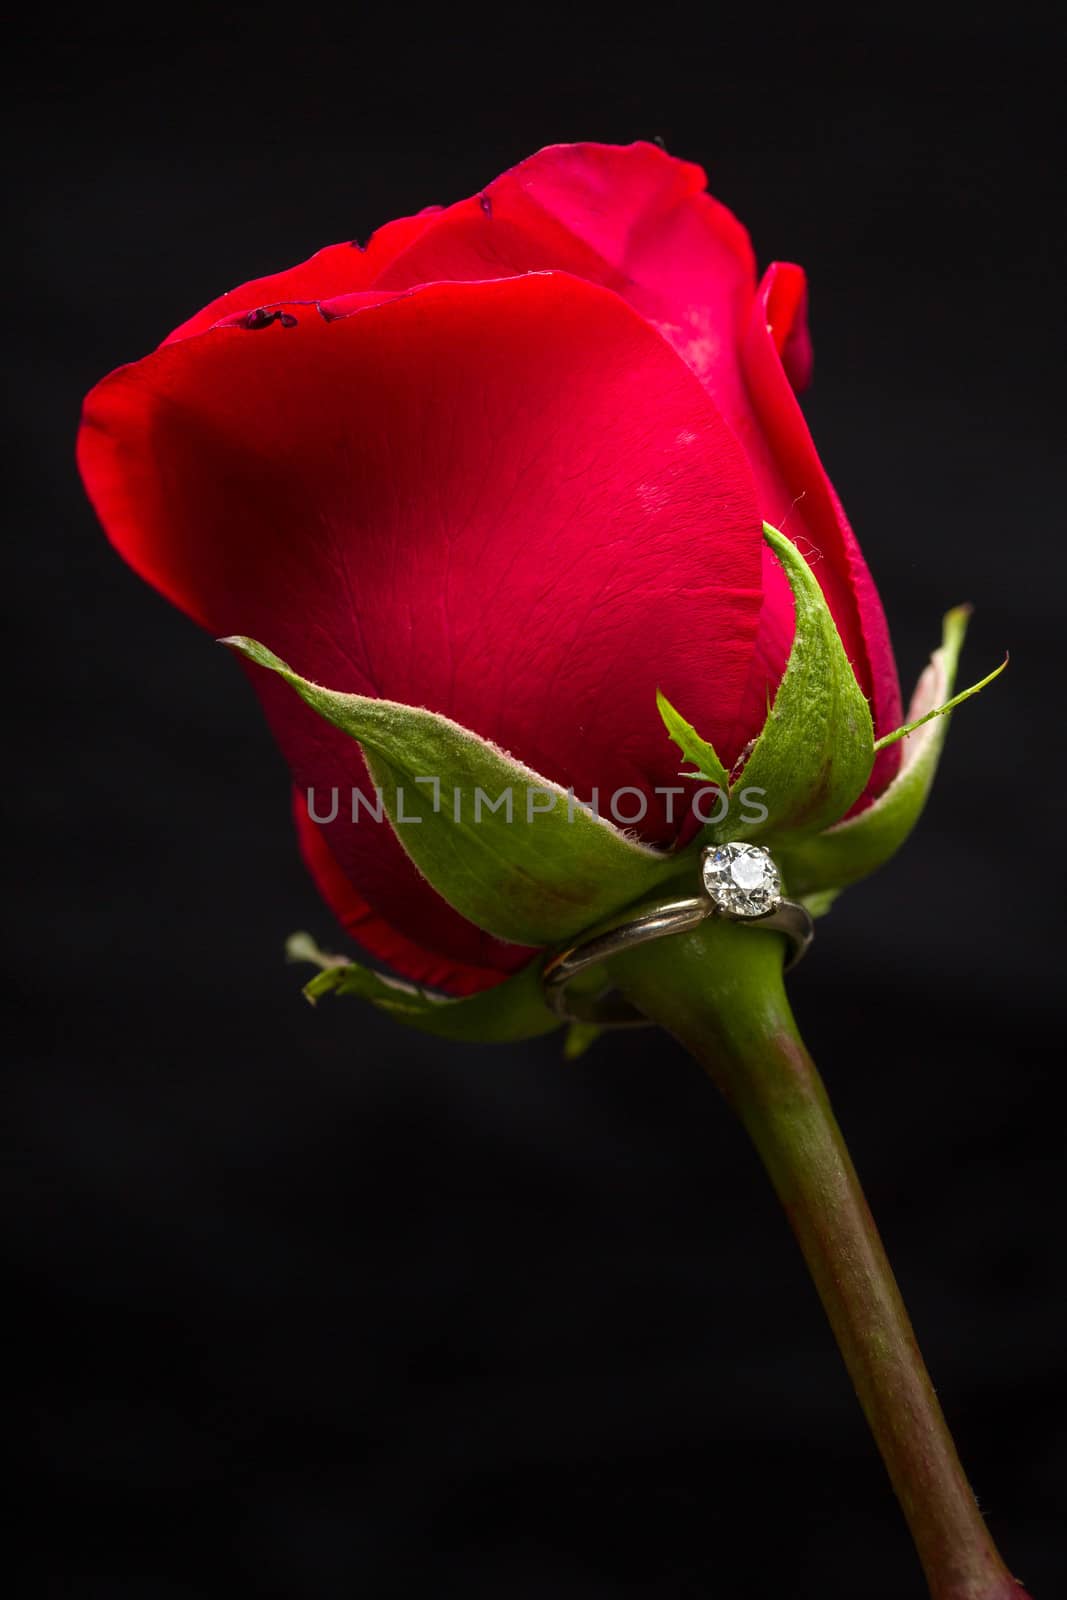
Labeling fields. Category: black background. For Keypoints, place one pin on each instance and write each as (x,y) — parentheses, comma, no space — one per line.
(318,1307)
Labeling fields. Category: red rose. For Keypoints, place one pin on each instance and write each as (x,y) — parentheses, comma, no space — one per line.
(509,462)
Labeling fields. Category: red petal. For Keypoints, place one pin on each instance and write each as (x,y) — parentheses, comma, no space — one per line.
(640,222)
(338,269)
(510,502)
(785,298)
(630,217)
(797,496)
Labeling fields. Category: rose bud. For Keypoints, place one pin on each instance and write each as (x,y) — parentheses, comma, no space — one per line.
(489,495)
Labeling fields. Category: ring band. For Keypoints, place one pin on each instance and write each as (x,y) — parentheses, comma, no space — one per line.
(610,1009)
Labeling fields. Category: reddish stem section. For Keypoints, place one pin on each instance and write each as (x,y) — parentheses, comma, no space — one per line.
(719,991)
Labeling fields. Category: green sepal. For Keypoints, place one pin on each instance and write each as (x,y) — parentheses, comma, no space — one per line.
(941,710)
(692,746)
(542,878)
(843,854)
(580,1035)
(512,1010)
(816,750)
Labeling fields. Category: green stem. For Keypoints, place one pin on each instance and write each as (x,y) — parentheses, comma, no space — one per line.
(720,992)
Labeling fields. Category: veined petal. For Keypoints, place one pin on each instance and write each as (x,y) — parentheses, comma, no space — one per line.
(509,502)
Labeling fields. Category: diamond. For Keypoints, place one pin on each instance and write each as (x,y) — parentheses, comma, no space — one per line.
(742,879)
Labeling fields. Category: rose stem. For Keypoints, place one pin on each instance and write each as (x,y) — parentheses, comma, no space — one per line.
(719,991)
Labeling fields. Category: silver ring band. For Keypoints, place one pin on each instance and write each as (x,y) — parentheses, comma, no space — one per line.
(610,1009)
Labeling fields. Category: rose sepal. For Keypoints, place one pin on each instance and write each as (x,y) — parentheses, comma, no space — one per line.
(813,756)
(542,877)
(512,1010)
(816,869)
